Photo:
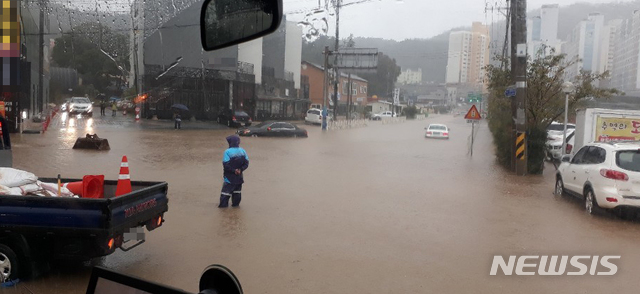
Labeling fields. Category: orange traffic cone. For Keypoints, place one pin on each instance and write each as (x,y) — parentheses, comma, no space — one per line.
(93,186)
(124,180)
(75,188)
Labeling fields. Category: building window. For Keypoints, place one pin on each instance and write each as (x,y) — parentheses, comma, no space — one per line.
(345,88)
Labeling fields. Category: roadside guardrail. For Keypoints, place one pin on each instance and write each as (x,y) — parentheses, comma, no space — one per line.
(346,124)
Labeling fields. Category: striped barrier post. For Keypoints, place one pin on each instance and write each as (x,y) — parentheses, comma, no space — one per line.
(520,147)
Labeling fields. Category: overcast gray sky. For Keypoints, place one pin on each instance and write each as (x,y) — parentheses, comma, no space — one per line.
(405,19)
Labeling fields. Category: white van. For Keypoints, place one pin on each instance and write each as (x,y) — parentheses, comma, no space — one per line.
(314,116)
(316,106)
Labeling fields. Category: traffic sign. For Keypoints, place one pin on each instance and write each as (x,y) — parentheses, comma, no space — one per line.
(473,113)
(396,96)
(510,92)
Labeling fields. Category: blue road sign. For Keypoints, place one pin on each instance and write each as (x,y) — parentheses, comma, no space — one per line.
(510,92)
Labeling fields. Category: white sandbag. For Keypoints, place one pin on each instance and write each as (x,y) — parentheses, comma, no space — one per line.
(53,188)
(4,190)
(12,177)
(32,189)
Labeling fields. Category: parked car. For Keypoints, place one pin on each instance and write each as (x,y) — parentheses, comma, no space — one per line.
(556,128)
(383,114)
(605,175)
(316,106)
(81,105)
(234,118)
(437,131)
(314,116)
(554,146)
(273,129)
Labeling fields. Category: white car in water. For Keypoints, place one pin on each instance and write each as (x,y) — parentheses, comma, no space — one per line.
(80,105)
(437,131)
(314,116)
(605,175)
(556,129)
(384,114)
(554,146)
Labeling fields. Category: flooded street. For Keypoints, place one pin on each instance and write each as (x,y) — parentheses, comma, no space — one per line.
(379,209)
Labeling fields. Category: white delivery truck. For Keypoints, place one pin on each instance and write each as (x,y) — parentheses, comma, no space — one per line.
(604,125)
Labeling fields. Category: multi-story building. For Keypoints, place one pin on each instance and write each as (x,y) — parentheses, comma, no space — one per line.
(279,91)
(315,74)
(26,56)
(608,46)
(468,54)
(625,74)
(585,43)
(258,76)
(542,32)
(410,77)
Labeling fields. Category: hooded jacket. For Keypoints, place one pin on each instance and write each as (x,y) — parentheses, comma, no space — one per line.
(234,158)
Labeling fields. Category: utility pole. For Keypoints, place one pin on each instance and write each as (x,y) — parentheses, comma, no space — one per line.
(518,15)
(335,61)
(41,58)
(349,96)
(325,85)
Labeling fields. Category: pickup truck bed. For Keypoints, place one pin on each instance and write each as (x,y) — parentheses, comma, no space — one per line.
(37,227)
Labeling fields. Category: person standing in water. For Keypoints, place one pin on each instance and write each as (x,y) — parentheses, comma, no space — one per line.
(235,161)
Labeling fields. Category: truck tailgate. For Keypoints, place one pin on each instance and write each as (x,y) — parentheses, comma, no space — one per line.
(147,201)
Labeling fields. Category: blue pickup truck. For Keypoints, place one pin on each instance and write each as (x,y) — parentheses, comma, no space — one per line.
(35,230)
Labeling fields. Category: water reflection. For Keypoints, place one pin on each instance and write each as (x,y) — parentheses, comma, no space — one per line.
(232,223)
(63,119)
(89,125)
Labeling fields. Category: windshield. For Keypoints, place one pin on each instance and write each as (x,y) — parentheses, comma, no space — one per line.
(263,124)
(80,100)
(173,157)
(628,160)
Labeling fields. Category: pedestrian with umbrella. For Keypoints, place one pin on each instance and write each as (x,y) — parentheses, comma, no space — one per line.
(177,117)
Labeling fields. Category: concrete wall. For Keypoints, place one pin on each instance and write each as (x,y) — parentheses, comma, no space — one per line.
(273,48)
(29,16)
(456,56)
(293,51)
(251,52)
(549,22)
(180,38)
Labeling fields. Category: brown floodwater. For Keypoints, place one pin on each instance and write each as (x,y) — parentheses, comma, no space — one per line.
(379,209)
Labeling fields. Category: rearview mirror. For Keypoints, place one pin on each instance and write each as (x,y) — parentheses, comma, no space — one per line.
(219,279)
(566,158)
(224,23)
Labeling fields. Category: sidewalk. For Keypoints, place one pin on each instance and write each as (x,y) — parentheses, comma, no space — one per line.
(129,121)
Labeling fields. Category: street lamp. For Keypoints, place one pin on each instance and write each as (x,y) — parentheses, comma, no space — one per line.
(567,88)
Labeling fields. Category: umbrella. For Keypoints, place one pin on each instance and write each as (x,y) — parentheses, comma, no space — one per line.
(114,98)
(180,107)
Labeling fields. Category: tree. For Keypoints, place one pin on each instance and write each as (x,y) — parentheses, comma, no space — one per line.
(382,82)
(99,55)
(545,102)
(349,42)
